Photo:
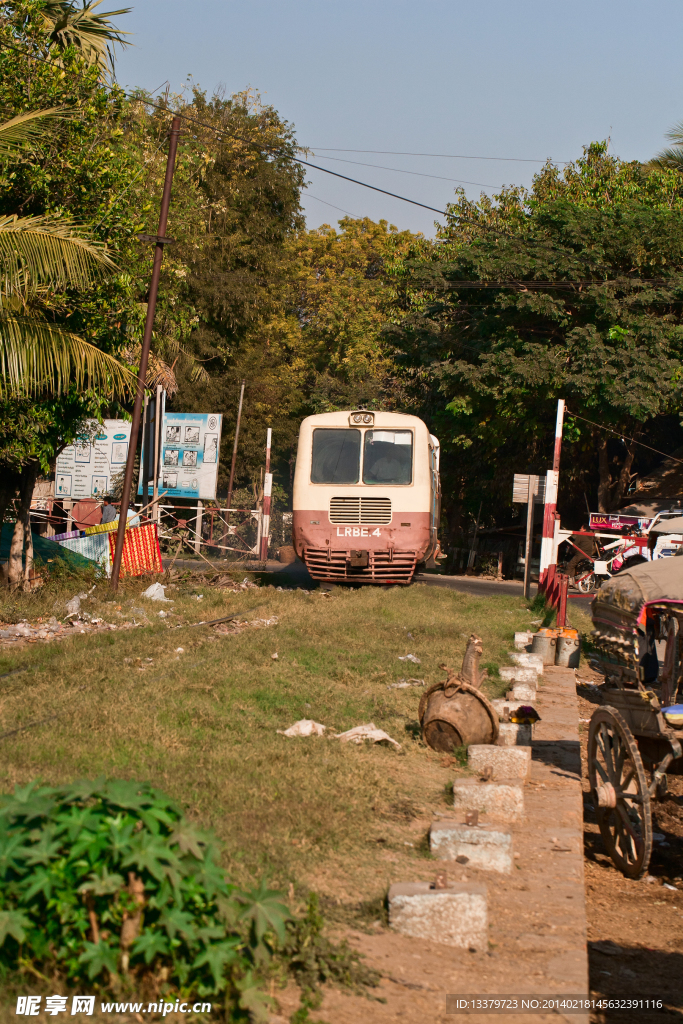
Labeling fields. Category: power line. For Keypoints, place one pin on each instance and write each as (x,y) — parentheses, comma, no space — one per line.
(373,187)
(186,117)
(624,437)
(348,214)
(444,156)
(400,170)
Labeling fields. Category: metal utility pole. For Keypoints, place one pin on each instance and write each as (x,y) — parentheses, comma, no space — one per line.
(267,491)
(234,448)
(533,491)
(160,240)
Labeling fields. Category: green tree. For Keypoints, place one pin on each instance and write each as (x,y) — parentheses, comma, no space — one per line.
(572,290)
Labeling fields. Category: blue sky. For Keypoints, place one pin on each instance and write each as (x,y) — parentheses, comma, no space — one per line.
(528,80)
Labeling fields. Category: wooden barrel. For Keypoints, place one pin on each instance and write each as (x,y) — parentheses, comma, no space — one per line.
(455,714)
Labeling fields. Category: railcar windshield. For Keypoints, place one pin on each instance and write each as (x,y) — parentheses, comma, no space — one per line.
(336,456)
(388,457)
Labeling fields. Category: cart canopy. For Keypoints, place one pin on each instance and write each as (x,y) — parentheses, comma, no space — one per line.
(624,596)
(669,526)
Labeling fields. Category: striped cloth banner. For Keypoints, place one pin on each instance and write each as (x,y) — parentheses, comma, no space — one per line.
(94,548)
(141,552)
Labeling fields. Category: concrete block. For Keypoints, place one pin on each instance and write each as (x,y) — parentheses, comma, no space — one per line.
(500,703)
(522,641)
(523,693)
(512,735)
(504,799)
(499,762)
(455,916)
(519,674)
(478,846)
(531,660)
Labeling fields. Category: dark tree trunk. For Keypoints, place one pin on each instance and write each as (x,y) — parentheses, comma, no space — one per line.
(605,484)
(620,486)
(22,528)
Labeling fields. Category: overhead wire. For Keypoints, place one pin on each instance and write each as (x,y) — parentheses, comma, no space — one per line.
(443,156)
(319,200)
(394,195)
(623,437)
(401,170)
(268,149)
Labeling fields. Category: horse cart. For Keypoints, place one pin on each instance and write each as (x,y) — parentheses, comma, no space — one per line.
(636,736)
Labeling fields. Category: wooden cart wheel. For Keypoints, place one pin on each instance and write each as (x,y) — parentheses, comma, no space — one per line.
(620,792)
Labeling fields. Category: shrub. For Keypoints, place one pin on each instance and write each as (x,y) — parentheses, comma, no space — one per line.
(107,882)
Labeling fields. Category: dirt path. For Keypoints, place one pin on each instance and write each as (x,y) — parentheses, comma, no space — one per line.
(635,928)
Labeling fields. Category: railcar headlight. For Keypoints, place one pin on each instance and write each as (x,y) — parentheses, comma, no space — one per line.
(358,417)
(367,418)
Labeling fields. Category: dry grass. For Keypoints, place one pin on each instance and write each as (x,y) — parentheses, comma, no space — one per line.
(203,724)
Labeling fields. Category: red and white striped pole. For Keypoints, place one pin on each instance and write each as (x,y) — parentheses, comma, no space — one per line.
(548,553)
(267,491)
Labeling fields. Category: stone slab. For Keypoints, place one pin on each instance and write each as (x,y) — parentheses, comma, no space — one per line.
(500,703)
(519,674)
(524,693)
(477,846)
(522,641)
(511,734)
(503,800)
(523,658)
(455,916)
(499,762)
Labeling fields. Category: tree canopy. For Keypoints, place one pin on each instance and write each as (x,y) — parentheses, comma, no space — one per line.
(573,290)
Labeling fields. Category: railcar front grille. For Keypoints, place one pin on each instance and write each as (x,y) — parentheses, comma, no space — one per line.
(383,566)
(359,511)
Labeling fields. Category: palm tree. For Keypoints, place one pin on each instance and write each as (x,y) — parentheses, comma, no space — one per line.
(91,34)
(673,156)
(37,256)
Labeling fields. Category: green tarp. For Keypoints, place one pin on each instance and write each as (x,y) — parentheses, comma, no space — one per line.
(44,549)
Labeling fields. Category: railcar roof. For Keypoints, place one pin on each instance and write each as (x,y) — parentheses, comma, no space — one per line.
(341,417)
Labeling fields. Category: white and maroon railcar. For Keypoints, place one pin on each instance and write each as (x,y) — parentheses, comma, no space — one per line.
(367,496)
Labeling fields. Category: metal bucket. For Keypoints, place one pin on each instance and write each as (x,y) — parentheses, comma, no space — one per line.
(568,652)
(544,643)
(455,714)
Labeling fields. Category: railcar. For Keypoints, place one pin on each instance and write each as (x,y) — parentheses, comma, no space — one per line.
(367,496)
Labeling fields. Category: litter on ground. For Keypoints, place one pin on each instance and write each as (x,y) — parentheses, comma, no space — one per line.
(304,727)
(410,657)
(403,684)
(157,592)
(366,732)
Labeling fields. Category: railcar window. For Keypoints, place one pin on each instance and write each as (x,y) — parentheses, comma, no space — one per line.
(336,456)
(388,457)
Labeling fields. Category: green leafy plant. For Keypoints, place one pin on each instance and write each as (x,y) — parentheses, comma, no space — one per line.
(107,882)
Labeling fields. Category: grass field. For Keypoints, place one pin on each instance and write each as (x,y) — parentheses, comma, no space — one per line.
(202,724)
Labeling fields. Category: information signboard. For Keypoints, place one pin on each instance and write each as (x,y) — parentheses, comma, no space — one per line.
(85,469)
(188,456)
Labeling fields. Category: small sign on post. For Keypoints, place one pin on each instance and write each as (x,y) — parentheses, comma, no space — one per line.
(520,489)
(530,490)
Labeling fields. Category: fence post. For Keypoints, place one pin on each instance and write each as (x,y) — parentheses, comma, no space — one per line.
(563,580)
(198,527)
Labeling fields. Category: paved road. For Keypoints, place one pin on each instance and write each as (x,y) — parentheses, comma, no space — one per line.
(479,586)
(297,575)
